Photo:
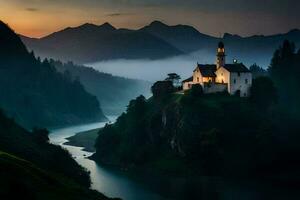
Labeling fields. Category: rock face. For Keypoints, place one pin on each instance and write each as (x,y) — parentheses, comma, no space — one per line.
(35,94)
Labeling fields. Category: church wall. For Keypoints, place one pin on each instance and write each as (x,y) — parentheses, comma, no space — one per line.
(214,87)
(223,76)
(197,77)
(187,85)
(240,81)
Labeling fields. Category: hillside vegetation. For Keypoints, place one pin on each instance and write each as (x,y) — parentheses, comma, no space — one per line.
(35,94)
(20,178)
(32,168)
(112,92)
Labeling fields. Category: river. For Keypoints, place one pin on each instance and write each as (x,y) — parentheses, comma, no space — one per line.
(109,182)
(114,183)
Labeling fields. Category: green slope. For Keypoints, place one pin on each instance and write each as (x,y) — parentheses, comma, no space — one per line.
(23,179)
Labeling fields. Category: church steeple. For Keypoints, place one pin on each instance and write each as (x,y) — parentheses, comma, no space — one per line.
(221,55)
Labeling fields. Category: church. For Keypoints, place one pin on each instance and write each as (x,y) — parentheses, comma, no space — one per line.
(235,78)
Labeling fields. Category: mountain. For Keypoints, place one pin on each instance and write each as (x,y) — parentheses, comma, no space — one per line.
(254,49)
(35,94)
(183,37)
(90,43)
(32,168)
(258,48)
(112,92)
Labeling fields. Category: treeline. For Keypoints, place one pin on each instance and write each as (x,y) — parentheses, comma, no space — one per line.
(112,92)
(35,94)
(214,134)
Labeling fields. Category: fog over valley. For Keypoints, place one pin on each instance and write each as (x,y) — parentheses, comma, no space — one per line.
(154,70)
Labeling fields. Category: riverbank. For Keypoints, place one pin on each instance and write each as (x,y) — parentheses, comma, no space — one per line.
(85,139)
(138,184)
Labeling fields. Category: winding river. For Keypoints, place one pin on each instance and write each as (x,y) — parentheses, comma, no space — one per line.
(109,182)
(113,183)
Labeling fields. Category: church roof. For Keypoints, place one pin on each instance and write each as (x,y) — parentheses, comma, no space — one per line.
(188,80)
(237,67)
(207,70)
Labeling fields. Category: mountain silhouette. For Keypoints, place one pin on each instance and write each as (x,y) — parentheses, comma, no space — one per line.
(91,43)
(183,37)
(34,93)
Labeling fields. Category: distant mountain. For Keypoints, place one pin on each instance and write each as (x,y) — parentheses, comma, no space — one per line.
(255,49)
(91,43)
(183,37)
(258,48)
(35,94)
(113,92)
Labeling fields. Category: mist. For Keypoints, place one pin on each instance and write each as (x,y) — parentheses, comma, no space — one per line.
(154,70)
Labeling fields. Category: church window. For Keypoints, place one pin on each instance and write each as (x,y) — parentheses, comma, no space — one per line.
(198,79)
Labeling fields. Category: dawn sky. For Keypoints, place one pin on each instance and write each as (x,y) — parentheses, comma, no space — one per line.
(38,18)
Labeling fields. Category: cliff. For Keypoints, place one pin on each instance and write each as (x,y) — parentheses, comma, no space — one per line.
(200,134)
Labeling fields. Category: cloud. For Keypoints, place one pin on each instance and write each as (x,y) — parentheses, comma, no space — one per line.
(118,14)
(32,9)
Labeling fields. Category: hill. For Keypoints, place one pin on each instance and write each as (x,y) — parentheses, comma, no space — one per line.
(211,135)
(112,92)
(20,178)
(91,43)
(35,94)
(32,168)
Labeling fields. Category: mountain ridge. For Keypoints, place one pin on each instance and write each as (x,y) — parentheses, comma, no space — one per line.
(154,41)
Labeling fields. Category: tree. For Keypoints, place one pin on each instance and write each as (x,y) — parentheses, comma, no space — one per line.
(284,71)
(174,78)
(263,92)
(162,88)
(257,71)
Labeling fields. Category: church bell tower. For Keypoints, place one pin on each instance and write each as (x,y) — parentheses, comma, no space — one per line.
(221,55)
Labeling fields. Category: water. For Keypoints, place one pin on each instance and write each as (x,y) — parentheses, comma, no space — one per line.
(110,183)
(139,186)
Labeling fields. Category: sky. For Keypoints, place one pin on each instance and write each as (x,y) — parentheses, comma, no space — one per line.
(37,18)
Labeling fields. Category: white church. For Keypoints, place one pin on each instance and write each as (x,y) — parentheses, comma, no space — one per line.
(234,78)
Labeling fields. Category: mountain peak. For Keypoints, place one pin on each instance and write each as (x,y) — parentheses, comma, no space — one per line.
(5,28)
(157,23)
(107,26)
(294,31)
